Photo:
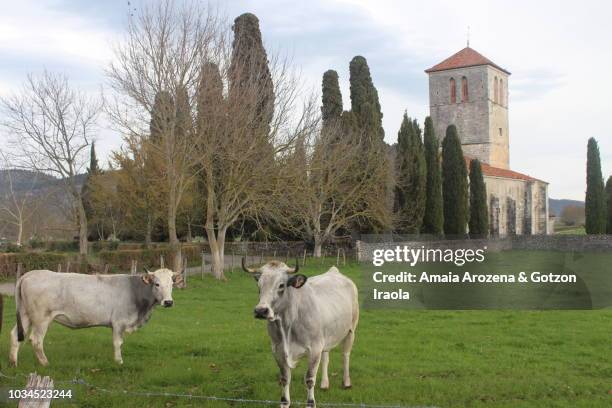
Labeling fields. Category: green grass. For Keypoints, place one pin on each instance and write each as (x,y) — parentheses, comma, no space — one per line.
(563,230)
(209,344)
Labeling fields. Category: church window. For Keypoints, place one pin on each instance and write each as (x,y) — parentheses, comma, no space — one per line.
(501,91)
(464,89)
(453,91)
(495,91)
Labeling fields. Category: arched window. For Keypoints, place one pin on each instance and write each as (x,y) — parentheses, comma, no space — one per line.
(501,91)
(464,90)
(453,91)
(496,91)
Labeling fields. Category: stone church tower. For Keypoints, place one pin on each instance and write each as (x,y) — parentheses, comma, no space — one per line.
(471,92)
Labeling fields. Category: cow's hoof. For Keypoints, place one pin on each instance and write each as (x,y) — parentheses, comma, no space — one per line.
(311,404)
(347,386)
(44,363)
(284,403)
(120,362)
(324,387)
(12,363)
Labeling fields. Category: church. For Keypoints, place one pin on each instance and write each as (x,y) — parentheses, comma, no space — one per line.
(471,92)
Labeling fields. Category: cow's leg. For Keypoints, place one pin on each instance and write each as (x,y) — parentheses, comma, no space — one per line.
(311,377)
(37,337)
(324,364)
(25,322)
(346,353)
(117,342)
(285,382)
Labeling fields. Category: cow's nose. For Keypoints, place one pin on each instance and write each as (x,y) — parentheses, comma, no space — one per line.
(168,303)
(261,312)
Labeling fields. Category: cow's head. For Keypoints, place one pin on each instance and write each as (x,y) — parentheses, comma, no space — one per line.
(275,280)
(161,282)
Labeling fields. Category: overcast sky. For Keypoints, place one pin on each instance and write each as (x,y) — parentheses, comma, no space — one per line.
(559,53)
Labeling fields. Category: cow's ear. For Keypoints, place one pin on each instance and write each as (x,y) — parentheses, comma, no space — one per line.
(147,278)
(297,281)
(177,279)
(256,276)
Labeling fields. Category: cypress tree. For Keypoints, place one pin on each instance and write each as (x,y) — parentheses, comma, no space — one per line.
(479,214)
(331,110)
(595,201)
(364,100)
(210,98)
(609,205)
(411,178)
(87,190)
(93,160)
(454,185)
(433,220)
(162,116)
(183,124)
(249,74)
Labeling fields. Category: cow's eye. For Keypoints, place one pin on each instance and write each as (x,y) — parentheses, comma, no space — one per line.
(281,287)
(157,284)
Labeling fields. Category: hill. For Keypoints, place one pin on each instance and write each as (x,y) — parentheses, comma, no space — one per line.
(555,206)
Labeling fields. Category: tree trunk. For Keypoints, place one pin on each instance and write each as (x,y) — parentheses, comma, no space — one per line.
(82,228)
(149,231)
(318,244)
(217,250)
(175,245)
(20,233)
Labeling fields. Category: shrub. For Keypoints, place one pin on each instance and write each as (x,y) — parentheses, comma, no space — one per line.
(62,246)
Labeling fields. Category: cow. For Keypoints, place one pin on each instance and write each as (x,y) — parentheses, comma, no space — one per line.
(121,302)
(306,316)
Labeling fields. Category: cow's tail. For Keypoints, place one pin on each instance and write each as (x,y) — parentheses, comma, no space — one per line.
(20,333)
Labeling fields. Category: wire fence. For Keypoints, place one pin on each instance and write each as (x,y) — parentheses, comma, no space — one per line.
(158,394)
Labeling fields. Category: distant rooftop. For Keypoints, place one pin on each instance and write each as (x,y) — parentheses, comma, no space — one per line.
(467,57)
(491,171)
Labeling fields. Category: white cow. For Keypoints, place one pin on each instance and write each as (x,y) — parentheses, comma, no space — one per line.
(306,316)
(121,302)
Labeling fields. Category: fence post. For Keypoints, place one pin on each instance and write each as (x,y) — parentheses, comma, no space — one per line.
(68,266)
(233,256)
(105,269)
(338,257)
(36,382)
(161,261)
(343,257)
(59,267)
(203,265)
(184,272)
(19,270)
(304,258)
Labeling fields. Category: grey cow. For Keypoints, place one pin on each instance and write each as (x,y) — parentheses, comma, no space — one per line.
(306,316)
(121,302)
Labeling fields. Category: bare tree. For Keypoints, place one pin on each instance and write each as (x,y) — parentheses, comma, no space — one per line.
(175,69)
(17,205)
(51,125)
(329,186)
(154,77)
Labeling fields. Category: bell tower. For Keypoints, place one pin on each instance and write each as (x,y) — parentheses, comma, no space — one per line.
(471,92)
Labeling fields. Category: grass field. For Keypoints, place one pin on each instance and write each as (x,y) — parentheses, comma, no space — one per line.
(209,344)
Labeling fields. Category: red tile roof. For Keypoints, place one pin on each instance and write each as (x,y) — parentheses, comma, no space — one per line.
(467,57)
(488,170)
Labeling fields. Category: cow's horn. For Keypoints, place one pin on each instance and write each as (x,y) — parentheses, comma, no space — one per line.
(297,267)
(249,270)
(146,269)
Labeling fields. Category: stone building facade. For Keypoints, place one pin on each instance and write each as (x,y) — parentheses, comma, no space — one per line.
(471,92)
